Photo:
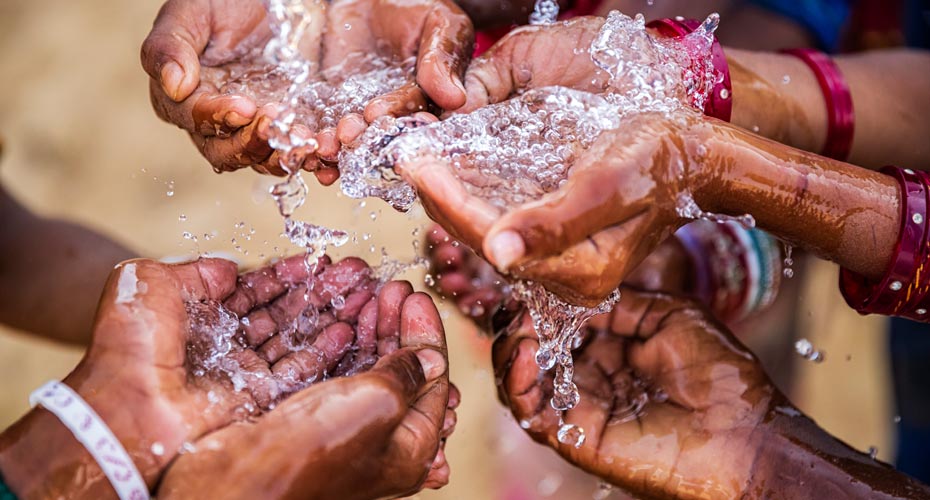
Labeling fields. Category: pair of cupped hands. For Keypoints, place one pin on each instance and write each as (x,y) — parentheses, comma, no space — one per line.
(580,241)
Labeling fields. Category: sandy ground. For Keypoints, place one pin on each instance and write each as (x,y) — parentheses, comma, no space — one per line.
(83,144)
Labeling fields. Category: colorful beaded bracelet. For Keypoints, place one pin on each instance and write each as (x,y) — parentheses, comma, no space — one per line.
(903,290)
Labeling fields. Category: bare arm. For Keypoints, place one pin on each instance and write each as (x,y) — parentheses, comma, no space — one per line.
(46,262)
(778,96)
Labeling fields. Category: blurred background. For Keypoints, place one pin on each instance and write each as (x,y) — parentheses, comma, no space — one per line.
(82,144)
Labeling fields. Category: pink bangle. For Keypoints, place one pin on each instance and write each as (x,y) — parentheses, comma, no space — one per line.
(841,117)
(720,103)
(903,289)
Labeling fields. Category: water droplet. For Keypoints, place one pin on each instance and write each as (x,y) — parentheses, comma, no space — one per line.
(182,218)
(158,449)
(571,435)
(806,349)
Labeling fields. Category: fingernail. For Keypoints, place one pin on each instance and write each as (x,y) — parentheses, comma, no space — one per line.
(234,119)
(171,77)
(505,248)
(433,363)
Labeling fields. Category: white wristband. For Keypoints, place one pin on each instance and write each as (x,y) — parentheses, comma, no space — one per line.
(94,434)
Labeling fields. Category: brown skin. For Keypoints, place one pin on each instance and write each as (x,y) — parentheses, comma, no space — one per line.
(193,43)
(720,428)
(477,289)
(582,240)
(888,90)
(373,435)
(45,261)
(138,361)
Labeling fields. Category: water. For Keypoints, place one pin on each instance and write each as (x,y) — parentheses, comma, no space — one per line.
(507,154)
(789,261)
(808,351)
(519,150)
(545,12)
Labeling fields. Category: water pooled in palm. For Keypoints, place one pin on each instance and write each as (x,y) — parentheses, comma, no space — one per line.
(519,150)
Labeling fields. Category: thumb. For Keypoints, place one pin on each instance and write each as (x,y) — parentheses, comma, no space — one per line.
(171,52)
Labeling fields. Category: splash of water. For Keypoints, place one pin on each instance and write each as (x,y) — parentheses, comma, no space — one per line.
(521,149)
(545,12)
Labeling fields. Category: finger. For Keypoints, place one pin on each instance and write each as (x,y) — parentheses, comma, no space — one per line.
(454,284)
(279,316)
(579,209)
(221,114)
(328,145)
(439,472)
(257,376)
(339,279)
(390,303)
(464,216)
(404,101)
(350,311)
(445,49)
(294,339)
(489,79)
(295,269)
(420,324)
(455,396)
(448,423)
(366,334)
(310,365)
(255,289)
(350,127)
(207,279)
(447,256)
(405,373)
(327,176)
(171,52)
(244,148)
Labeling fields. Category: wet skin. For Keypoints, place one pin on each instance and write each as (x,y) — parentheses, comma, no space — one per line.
(137,373)
(714,425)
(479,292)
(620,203)
(775,95)
(194,45)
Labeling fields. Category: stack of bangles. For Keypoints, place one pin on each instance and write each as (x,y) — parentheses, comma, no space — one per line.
(737,271)
(904,290)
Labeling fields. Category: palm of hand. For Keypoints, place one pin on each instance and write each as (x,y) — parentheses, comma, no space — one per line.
(669,400)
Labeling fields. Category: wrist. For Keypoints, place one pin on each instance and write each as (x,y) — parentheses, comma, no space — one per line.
(41,459)
(798,459)
(778,98)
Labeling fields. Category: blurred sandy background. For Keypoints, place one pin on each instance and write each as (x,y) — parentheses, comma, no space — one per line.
(83,144)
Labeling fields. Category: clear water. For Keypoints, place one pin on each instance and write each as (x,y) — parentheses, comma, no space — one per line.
(545,12)
(506,154)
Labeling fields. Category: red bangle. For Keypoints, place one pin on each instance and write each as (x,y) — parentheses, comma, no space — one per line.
(903,289)
(720,103)
(841,118)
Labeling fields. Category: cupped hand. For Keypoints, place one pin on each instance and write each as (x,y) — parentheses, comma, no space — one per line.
(483,295)
(137,372)
(370,435)
(522,60)
(210,78)
(671,403)
(192,51)
(623,196)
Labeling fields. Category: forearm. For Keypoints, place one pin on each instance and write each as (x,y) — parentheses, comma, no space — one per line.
(798,459)
(842,213)
(778,97)
(44,262)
